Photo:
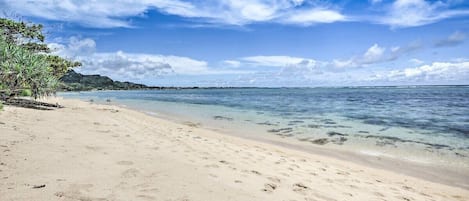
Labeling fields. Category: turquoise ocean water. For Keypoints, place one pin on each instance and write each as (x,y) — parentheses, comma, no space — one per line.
(424,124)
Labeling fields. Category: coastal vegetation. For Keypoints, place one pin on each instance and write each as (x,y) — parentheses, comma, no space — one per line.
(26,66)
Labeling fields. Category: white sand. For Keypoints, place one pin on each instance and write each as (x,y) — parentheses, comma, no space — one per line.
(97,152)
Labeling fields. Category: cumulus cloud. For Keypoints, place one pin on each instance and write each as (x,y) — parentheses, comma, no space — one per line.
(374,54)
(127,65)
(454,39)
(377,54)
(436,72)
(410,13)
(107,13)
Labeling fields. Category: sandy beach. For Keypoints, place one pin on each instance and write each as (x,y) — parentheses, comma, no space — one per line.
(89,151)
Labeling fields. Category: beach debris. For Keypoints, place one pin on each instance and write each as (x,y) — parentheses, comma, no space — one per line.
(39,186)
(320,141)
(32,104)
(223,118)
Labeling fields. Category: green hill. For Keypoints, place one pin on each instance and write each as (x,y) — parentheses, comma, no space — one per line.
(73,81)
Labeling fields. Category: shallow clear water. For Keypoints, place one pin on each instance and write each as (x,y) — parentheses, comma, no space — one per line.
(424,124)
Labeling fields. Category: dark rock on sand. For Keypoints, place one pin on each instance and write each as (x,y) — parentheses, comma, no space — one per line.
(320,141)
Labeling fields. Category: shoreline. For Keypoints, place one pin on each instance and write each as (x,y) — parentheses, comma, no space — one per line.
(109,152)
(453,176)
(431,172)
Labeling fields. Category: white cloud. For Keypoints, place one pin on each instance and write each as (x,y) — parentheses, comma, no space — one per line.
(377,54)
(232,63)
(437,71)
(278,61)
(107,13)
(409,13)
(124,65)
(373,54)
(416,61)
(454,39)
(74,47)
(313,16)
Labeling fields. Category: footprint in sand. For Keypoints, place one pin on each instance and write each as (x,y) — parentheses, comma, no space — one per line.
(125,163)
(212,166)
(269,187)
(300,188)
(274,179)
(150,190)
(77,192)
(129,173)
(255,172)
(146,197)
(378,194)
(93,148)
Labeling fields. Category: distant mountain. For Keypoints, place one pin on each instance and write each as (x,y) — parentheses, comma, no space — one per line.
(73,81)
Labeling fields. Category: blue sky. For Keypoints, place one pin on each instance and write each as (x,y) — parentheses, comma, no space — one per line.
(257,42)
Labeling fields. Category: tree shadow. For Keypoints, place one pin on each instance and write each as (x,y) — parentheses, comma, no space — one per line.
(32,104)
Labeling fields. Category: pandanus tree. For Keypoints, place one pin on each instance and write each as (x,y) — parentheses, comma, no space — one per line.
(25,62)
(21,69)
